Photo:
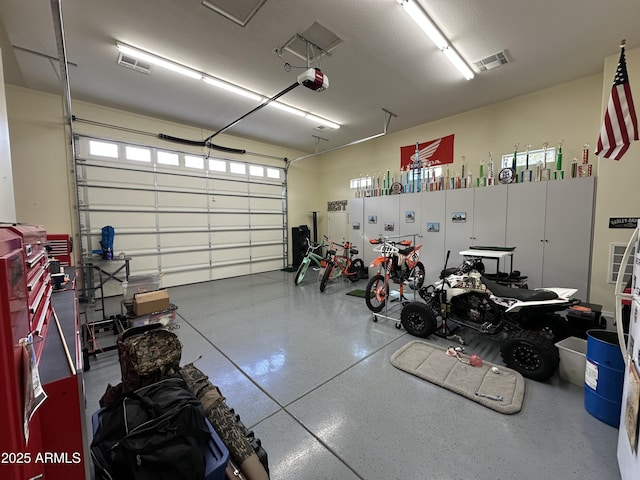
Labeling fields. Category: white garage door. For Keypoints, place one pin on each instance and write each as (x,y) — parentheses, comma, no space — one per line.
(189,218)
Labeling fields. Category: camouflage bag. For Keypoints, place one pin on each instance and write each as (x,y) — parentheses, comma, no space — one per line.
(237,439)
(147,354)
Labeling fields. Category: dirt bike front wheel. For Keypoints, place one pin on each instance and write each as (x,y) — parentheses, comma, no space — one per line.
(376,293)
(416,277)
(356,270)
(327,275)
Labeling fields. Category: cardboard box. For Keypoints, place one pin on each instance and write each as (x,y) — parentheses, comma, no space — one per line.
(150,302)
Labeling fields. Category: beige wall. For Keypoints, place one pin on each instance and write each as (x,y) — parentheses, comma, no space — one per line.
(571,111)
(618,188)
(38,153)
(568,112)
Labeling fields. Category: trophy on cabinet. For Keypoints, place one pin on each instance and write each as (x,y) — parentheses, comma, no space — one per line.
(527,175)
(545,173)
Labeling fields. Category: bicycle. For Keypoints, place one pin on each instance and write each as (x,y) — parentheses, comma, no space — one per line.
(311,256)
(348,267)
(395,264)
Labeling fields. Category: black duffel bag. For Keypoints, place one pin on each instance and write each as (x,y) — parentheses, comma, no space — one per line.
(156,432)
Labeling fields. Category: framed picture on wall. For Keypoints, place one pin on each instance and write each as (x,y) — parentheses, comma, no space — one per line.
(389,227)
(372,219)
(410,216)
(433,226)
(459,217)
(356,225)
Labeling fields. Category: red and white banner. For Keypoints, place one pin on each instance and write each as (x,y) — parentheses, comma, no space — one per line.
(434,152)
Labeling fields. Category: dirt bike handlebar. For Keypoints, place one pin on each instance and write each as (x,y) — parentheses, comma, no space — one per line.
(345,246)
(378,241)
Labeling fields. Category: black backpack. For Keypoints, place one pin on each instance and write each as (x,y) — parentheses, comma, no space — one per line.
(157,432)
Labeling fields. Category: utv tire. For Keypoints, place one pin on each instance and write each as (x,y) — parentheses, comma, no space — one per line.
(416,278)
(530,353)
(418,319)
(376,293)
(356,270)
(327,275)
(300,273)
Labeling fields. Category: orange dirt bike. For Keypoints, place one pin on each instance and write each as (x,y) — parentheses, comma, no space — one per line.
(399,262)
(345,264)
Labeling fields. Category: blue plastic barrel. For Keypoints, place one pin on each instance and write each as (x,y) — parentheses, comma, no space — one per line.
(604,376)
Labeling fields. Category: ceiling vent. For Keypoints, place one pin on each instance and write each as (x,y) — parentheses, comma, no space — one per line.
(239,12)
(134,64)
(312,44)
(492,61)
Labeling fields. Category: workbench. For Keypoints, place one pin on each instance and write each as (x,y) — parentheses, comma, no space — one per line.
(494,254)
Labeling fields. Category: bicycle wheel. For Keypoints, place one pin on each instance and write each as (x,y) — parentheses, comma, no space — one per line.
(356,270)
(376,293)
(327,275)
(302,270)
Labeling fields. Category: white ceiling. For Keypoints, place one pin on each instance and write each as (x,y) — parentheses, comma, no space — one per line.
(384,60)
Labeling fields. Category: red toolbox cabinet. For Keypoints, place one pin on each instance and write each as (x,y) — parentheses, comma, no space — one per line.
(19,453)
(55,447)
(34,239)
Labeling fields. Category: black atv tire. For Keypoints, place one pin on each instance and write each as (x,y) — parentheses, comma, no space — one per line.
(530,353)
(418,319)
(416,276)
(373,292)
(356,270)
(553,325)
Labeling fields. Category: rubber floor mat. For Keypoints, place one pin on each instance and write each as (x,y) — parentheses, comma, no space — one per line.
(357,293)
(502,392)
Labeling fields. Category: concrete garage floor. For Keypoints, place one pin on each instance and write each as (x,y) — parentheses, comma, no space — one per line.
(309,373)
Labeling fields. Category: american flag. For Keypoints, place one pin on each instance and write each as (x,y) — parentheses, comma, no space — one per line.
(620,124)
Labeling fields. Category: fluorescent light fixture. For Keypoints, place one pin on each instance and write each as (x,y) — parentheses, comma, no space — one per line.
(288,109)
(216,82)
(455,58)
(425,23)
(232,88)
(159,61)
(418,15)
